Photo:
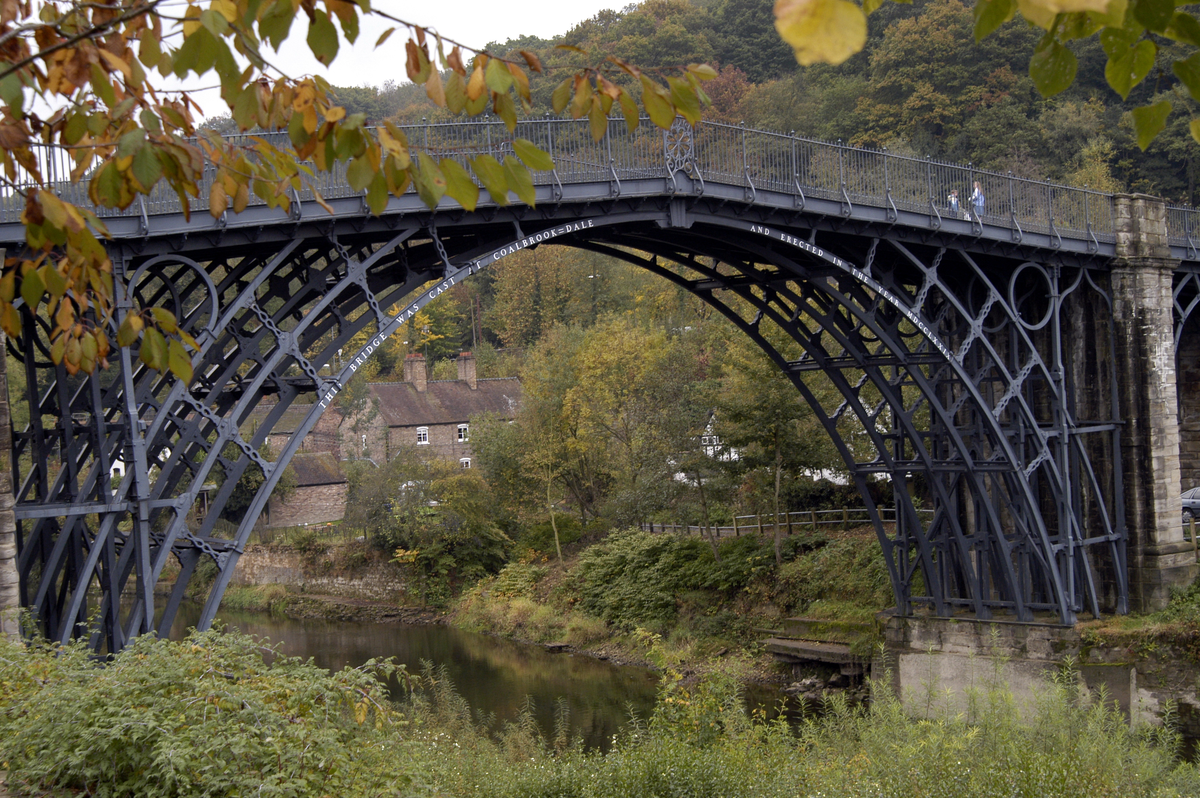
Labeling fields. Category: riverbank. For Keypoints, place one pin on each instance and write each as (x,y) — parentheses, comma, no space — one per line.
(215,705)
(654,600)
(671,604)
(628,650)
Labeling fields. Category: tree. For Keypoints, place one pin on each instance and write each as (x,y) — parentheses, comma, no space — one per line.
(1133,36)
(252,478)
(747,43)
(548,375)
(93,65)
(761,415)
(533,290)
(360,408)
(927,80)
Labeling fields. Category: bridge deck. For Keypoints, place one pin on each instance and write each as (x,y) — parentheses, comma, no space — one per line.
(718,162)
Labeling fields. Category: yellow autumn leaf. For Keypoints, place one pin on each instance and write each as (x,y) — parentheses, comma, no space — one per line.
(1043,12)
(821,31)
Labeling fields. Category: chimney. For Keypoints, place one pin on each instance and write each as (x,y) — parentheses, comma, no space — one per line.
(466,369)
(414,372)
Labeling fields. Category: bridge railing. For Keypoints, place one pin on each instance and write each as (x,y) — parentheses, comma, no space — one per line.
(719,154)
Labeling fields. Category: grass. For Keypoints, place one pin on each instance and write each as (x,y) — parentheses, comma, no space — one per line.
(701,743)
(255,598)
(1175,627)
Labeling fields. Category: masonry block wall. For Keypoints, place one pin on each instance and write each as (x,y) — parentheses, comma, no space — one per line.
(317,504)
(369,441)
(443,441)
(271,565)
(329,434)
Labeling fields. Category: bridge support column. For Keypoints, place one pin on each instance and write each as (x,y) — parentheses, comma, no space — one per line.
(10,598)
(1158,557)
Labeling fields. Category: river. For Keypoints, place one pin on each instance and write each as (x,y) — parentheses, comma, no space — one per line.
(495,676)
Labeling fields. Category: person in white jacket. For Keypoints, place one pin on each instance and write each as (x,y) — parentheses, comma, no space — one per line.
(977,202)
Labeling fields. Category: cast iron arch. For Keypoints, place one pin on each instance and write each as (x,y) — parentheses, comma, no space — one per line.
(902,335)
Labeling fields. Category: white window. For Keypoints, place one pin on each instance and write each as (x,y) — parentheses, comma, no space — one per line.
(462,433)
(422,435)
(465,462)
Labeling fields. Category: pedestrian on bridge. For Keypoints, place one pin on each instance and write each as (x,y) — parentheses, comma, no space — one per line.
(953,200)
(977,202)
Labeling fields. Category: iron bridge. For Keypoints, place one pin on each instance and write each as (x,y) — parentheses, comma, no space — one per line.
(972,356)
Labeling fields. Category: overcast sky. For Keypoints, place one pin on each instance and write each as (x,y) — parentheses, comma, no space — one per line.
(472,22)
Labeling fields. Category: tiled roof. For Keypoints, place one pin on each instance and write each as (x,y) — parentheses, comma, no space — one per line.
(286,425)
(445,401)
(316,468)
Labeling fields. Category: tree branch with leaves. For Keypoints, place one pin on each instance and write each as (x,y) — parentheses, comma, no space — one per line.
(1136,35)
(95,67)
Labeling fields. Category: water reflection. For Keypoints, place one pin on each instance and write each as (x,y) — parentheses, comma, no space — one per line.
(494,676)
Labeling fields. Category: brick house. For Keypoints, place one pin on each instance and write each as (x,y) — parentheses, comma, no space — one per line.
(420,412)
(319,497)
(321,487)
(325,436)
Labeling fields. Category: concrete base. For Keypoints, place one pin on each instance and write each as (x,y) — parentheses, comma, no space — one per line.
(939,666)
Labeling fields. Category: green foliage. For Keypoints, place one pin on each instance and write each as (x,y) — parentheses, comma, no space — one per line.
(638,579)
(454,540)
(805,493)
(849,570)
(517,579)
(205,717)
(209,717)
(747,558)
(540,536)
(632,579)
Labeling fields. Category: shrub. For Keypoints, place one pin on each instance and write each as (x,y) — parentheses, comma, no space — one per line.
(517,579)
(540,536)
(632,578)
(205,717)
(256,598)
(850,571)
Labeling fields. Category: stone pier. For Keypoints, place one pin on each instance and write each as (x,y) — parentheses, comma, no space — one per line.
(1159,558)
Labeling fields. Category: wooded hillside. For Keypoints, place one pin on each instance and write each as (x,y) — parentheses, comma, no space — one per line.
(922,86)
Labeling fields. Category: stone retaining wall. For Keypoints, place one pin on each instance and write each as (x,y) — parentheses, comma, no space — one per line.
(281,565)
(936,664)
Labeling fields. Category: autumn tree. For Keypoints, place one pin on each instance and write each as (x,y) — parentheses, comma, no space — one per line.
(531,292)
(94,67)
(580,466)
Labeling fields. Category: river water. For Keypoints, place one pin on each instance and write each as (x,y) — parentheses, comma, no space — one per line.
(495,676)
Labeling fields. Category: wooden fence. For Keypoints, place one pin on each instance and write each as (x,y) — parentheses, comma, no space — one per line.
(794,522)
